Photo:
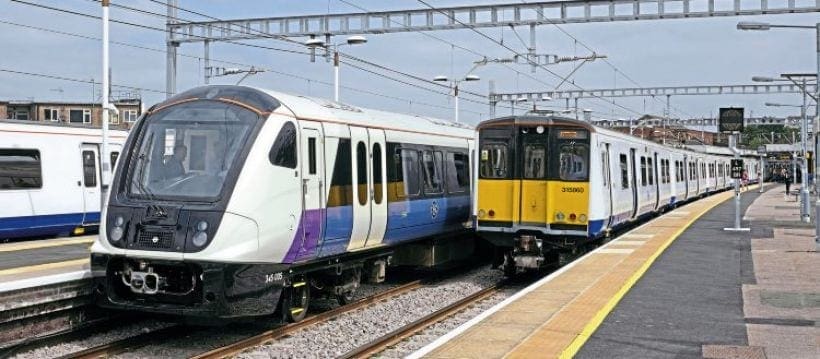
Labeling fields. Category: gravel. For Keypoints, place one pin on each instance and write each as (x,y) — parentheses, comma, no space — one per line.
(94,340)
(350,330)
(329,339)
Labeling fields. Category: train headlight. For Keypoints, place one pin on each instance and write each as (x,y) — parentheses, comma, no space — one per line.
(582,218)
(572,217)
(481,213)
(559,216)
(116,234)
(202,226)
(200,238)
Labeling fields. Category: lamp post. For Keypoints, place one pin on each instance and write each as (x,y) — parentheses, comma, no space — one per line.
(353,40)
(761,26)
(454,85)
(804,183)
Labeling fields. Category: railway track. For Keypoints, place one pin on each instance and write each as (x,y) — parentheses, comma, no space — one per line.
(176,331)
(282,331)
(380,344)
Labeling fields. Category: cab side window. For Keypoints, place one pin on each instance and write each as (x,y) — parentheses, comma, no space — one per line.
(283,152)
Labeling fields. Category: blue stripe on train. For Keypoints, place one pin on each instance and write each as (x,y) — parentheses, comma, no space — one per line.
(425,217)
(43,225)
(406,220)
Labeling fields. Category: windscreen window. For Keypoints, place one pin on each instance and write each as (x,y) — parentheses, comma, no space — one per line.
(186,151)
(494,161)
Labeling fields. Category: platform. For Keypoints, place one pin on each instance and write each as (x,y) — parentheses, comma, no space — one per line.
(678,286)
(40,262)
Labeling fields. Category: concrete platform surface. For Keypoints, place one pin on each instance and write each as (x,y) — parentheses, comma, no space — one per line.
(39,262)
(710,294)
(557,315)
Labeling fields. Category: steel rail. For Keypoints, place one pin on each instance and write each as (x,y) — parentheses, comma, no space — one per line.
(400,334)
(276,333)
(123,345)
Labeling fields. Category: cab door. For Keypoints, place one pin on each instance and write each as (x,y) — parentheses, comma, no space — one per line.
(360,142)
(90,183)
(378,187)
(533,182)
(312,153)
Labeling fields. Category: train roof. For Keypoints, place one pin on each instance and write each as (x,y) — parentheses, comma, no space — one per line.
(265,101)
(535,120)
(55,128)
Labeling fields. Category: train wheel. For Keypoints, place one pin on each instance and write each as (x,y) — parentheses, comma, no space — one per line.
(296,305)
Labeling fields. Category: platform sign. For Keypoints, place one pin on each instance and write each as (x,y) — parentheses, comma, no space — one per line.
(761,149)
(731,119)
(737,169)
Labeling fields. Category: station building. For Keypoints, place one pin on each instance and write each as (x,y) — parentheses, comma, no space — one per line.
(71,112)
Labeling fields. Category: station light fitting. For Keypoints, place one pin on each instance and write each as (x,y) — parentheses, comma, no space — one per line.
(314,43)
(440,78)
(356,40)
(471,78)
(752,25)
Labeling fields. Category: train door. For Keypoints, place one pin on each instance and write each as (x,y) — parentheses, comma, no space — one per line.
(657,180)
(90,183)
(378,185)
(607,186)
(685,178)
(312,154)
(532,183)
(635,186)
(360,141)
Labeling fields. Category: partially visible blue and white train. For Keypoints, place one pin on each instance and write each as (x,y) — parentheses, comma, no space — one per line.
(50,178)
(232,201)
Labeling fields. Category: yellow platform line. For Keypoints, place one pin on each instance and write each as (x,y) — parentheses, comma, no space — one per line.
(43,267)
(14,247)
(599,317)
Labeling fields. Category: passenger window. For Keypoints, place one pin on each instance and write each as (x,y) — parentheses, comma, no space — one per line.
(643,171)
(494,160)
(114,157)
(408,173)
(89,169)
(283,152)
(341,191)
(377,173)
(361,172)
(535,158)
(624,172)
(312,155)
(650,167)
(20,169)
(458,172)
(431,162)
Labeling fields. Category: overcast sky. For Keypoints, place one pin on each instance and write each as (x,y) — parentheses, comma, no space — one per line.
(652,53)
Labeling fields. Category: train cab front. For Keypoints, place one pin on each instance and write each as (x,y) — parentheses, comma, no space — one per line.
(168,210)
(533,189)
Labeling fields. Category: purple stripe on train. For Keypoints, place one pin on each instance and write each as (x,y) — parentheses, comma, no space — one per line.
(306,240)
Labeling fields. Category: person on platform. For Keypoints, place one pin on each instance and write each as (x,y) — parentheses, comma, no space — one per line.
(744,180)
(787,179)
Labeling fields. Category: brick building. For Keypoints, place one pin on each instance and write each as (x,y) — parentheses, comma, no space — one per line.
(77,113)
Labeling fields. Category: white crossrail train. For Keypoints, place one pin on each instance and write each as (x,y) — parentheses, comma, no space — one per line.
(232,201)
(50,178)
